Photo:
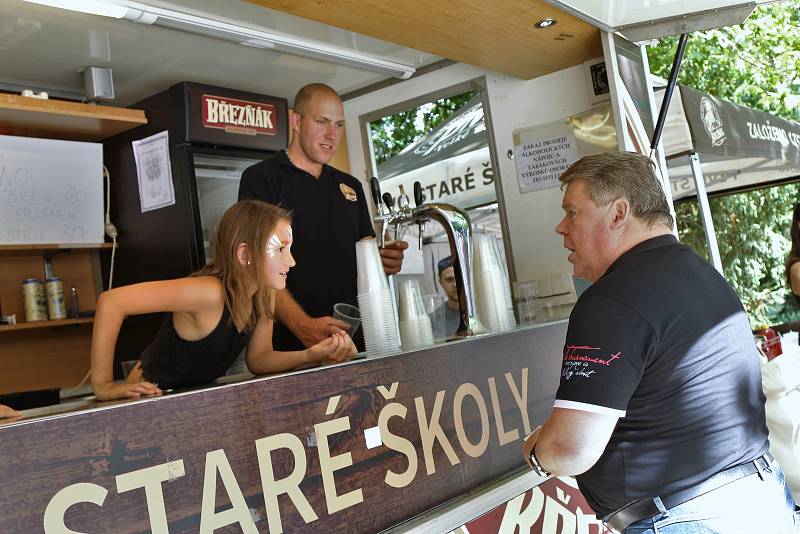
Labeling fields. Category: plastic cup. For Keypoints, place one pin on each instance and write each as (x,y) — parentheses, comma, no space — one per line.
(370,274)
(349,314)
(410,305)
(379,322)
(415,325)
(416,333)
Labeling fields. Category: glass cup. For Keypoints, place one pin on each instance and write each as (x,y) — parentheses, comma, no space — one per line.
(434,306)
(349,314)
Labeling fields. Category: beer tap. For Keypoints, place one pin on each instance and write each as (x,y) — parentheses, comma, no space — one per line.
(402,200)
(419,199)
(456,224)
(389,201)
(382,218)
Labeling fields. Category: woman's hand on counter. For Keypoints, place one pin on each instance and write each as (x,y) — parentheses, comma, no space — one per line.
(334,349)
(124,390)
(7,411)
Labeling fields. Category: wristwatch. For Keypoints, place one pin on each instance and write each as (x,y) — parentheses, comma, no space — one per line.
(537,467)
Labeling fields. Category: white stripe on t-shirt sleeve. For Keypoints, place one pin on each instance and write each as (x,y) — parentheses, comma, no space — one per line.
(572,405)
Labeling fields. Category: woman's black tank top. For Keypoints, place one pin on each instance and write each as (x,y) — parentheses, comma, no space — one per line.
(173,362)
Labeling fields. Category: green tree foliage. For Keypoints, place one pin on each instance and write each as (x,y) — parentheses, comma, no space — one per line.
(391,134)
(754,64)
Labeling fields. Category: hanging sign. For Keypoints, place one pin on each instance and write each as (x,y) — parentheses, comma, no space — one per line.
(542,154)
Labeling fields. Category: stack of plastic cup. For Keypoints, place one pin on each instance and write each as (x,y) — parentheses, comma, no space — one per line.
(415,325)
(491,285)
(378,317)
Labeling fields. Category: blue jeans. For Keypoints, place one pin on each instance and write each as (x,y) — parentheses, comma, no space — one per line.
(750,505)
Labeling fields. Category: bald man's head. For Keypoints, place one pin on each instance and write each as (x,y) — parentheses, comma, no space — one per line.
(308,92)
(317,123)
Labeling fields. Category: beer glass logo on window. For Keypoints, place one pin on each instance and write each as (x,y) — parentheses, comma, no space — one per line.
(238,116)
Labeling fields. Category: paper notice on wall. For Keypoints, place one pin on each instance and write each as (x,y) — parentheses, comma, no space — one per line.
(542,154)
(154,172)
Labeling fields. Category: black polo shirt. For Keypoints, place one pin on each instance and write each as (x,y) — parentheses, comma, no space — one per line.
(663,342)
(329,215)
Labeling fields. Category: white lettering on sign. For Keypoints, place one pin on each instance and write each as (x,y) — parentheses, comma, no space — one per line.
(150,479)
(289,485)
(328,464)
(769,132)
(238,513)
(469,405)
(464,180)
(62,501)
(238,116)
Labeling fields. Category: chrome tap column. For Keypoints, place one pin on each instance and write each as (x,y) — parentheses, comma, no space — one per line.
(458,229)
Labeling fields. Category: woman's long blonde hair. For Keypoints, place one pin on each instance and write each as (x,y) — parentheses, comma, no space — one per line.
(250,222)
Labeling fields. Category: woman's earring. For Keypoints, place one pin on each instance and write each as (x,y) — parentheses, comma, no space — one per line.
(248,262)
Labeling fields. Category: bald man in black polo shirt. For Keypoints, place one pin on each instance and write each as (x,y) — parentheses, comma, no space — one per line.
(330,214)
(660,411)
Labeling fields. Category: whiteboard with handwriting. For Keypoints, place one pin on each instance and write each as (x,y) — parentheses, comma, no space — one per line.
(50,191)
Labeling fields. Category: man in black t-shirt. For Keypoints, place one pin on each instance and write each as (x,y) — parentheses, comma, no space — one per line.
(330,214)
(659,411)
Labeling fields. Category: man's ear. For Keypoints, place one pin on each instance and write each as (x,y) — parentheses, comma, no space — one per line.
(243,254)
(620,213)
(294,120)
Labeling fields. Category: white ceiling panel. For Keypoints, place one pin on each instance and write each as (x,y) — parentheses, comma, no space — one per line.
(613,14)
(45,48)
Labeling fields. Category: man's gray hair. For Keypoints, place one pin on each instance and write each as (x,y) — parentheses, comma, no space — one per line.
(612,175)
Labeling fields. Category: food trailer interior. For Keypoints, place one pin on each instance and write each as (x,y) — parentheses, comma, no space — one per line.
(530,61)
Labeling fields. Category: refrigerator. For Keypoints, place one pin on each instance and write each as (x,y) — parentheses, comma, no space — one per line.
(214,133)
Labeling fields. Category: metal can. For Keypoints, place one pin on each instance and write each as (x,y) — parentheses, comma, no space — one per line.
(55,298)
(35,300)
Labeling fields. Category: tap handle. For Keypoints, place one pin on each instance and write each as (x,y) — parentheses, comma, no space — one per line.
(402,199)
(375,185)
(388,200)
(419,198)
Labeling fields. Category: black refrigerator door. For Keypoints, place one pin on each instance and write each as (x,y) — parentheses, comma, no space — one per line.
(153,245)
(214,176)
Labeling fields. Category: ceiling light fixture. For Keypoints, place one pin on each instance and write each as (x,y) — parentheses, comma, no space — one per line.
(254,37)
(545,23)
(92,7)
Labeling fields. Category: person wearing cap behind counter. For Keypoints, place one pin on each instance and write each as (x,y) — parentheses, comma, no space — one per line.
(330,214)
(452,311)
(660,411)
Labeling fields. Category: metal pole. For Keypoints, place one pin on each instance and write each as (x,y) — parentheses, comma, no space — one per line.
(705,211)
(673,79)
(658,155)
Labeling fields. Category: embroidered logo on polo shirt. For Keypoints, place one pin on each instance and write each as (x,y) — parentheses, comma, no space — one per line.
(583,361)
(348,193)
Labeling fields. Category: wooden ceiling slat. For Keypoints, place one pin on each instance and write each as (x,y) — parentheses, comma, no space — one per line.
(498,35)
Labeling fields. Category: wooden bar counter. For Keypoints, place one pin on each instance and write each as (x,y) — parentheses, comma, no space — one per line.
(356,447)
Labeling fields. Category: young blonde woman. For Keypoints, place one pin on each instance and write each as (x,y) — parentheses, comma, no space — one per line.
(214,313)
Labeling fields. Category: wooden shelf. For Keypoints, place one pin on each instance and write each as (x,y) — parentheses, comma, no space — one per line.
(56,119)
(55,248)
(45,324)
